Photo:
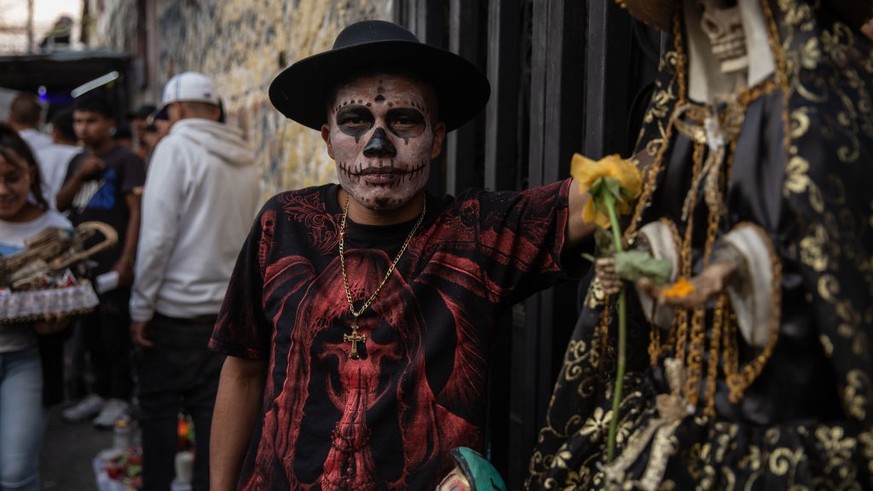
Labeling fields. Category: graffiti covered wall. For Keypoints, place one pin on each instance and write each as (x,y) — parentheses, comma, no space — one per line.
(242,45)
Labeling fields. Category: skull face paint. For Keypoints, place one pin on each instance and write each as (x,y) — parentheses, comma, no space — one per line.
(381,134)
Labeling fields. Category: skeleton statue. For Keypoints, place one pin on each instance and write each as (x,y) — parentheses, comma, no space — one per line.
(728,52)
(722,23)
(50,253)
(729,49)
(756,149)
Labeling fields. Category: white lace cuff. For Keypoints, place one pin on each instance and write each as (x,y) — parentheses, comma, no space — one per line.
(751,289)
(658,238)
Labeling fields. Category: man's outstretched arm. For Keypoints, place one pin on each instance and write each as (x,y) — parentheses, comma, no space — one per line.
(577,229)
(239,399)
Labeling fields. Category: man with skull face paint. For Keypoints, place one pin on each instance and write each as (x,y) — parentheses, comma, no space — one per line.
(757,192)
(359,318)
(372,112)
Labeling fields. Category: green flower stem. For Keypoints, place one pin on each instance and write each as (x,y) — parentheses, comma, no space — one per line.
(609,202)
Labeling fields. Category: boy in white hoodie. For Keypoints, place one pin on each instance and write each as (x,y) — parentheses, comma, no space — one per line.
(200,199)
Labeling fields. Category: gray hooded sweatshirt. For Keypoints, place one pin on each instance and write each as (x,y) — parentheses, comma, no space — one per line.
(201,195)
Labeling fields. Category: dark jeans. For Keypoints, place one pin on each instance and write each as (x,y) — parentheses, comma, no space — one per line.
(178,374)
(105,335)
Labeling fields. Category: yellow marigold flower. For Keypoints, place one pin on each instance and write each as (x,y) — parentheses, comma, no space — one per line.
(611,182)
(682,288)
(587,172)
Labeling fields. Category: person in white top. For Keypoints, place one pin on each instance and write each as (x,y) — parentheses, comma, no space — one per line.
(55,158)
(25,117)
(201,196)
(31,353)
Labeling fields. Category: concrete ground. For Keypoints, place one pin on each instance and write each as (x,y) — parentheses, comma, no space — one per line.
(67,452)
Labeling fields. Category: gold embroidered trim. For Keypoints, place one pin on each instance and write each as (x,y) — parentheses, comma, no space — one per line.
(645,199)
(739,378)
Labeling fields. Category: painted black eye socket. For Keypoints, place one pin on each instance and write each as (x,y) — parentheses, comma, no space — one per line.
(354,120)
(406,122)
(403,122)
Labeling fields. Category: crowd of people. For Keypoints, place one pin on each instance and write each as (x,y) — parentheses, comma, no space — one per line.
(181,210)
(339,337)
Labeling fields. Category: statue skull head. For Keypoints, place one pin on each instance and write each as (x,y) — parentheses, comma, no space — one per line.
(722,22)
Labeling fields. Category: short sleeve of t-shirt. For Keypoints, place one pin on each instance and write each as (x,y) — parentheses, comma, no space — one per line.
(242,329)
(520,235)
(132,169)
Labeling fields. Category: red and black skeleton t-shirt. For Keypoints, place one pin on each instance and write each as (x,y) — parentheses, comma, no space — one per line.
(388,419)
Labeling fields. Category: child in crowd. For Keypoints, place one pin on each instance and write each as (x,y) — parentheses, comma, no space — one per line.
(104,183)
(31,362)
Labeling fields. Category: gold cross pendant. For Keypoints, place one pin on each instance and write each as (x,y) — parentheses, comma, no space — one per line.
(354,338)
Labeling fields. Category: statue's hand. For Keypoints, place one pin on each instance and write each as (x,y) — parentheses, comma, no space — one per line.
(710,282)
(604,269)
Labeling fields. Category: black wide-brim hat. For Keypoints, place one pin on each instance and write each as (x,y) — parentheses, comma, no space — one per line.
(301,91)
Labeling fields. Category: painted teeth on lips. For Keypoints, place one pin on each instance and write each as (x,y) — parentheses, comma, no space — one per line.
(380,171)
(382,178)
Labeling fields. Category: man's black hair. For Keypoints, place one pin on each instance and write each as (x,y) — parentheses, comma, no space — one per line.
(122,132)
(62,122)
(95,104)
(25,109)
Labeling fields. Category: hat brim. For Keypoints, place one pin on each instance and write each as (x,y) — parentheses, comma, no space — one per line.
(142,113)
(158,114)
(656,13)
(301,91)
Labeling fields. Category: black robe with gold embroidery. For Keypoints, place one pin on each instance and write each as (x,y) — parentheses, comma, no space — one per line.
(801,169)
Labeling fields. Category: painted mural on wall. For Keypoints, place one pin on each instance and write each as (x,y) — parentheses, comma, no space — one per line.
(243,44)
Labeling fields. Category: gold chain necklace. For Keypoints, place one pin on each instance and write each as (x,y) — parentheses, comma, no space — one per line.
(354,338)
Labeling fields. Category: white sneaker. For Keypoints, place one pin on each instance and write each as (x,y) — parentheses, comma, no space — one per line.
(113,410)
(84,409)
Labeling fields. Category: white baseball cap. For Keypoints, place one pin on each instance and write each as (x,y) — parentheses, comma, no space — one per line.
(190,87)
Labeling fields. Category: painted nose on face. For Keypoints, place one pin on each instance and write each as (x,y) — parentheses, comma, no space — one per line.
(379,146)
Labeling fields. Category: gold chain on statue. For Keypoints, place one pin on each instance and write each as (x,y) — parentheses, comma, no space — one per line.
(354,338)
(687,334)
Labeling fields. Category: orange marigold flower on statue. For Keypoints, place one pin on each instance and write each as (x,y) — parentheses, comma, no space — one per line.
(588,172)
(682,288)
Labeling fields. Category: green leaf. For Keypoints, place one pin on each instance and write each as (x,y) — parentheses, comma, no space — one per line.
(633,265)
